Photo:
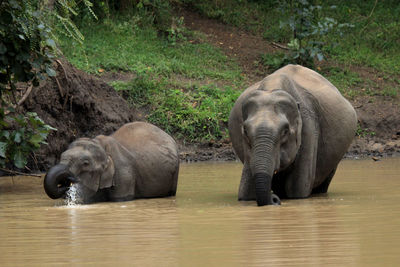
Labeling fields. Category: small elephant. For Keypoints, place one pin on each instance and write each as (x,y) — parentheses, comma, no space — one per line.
(290,130)
(139,160)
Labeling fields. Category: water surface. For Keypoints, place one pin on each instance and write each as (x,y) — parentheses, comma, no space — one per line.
(356,224)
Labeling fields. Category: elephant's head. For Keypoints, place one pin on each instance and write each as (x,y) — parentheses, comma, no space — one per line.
(272,136)
(85,163)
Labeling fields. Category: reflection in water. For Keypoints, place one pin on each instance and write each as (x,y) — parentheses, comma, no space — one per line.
(355,224)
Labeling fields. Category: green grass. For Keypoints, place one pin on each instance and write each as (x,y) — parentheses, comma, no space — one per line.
(343,78)
(189,112)
(118,46)
(175,83)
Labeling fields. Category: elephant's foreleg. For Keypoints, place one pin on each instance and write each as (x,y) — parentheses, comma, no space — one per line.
(172,192)
(323,188)
(300,181)
(247,187)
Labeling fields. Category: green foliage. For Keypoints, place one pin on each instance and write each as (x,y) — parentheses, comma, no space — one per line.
(374,40)
(17,145)
(362,132)
(27,48)
(195,113)
(62,17)
(176,32)
(274,61)
(309,29)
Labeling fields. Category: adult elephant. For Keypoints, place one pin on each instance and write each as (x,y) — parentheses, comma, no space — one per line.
(290,130)
(139,160)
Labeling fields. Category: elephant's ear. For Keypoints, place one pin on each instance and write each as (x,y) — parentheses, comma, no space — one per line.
(107,177)
(299,129)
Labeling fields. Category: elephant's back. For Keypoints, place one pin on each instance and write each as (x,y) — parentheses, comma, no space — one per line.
(147,140)
(156,153)
(327,95)
(333,108)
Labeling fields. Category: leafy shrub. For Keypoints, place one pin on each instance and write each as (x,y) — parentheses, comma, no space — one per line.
(274,61)
(17,145)
(362,132)
(309,29)
(27,49)
(26,54)
(26,46)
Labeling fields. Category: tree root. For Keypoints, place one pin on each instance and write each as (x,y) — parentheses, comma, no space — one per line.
(11,172)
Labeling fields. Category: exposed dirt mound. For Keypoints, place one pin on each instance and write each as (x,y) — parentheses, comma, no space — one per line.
(379,119)
(78,105)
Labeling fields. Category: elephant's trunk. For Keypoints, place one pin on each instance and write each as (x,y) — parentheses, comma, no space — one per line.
(264,154)
(57,181)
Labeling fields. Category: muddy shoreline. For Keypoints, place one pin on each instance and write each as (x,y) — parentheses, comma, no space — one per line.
(361,148)
(82,105)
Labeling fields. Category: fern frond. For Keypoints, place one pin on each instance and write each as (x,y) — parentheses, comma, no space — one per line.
(71,29)
(89,6)
(65,5)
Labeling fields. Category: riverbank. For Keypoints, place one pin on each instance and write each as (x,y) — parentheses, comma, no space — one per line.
(194,80)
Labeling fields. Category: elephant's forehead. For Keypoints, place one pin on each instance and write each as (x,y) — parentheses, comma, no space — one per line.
(75,151)
(273,98)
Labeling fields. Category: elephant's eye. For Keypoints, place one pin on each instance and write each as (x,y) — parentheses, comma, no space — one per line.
(285,134)
(245,130)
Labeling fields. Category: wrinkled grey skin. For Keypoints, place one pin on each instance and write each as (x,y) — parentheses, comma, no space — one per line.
(290,130)
(138,161)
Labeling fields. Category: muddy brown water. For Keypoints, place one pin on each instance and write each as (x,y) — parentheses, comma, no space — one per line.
(356,224)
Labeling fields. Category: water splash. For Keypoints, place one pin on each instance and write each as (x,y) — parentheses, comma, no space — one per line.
(72,198)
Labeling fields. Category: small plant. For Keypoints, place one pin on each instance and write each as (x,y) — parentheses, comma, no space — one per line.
(309,30)
(273,61)
(17,145)
(362,132)
(176,31)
